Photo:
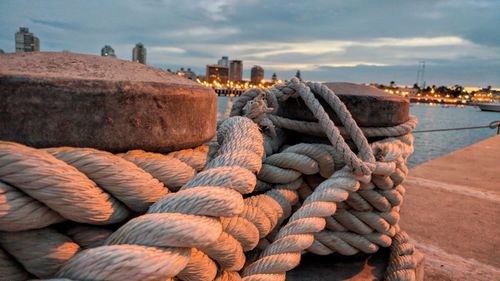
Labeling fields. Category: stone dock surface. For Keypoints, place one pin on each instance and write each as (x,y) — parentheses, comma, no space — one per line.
(452,213)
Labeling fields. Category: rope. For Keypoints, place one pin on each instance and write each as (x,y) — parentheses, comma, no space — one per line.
(10,269)
(247,204)
(362,165)
(492,125)
(402,263)
(46,186)
(313,128)
(374,229)
(183,220)
(41,252)
(321,154)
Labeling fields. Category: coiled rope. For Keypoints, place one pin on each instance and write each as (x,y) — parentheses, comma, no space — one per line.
(41,187)
(200,227)
(322,202)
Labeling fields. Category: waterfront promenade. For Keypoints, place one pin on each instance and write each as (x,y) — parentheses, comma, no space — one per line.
(452,209)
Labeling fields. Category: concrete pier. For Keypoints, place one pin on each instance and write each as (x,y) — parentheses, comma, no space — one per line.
(452,212)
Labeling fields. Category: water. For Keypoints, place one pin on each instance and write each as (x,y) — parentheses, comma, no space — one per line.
(222,103)
(434,144)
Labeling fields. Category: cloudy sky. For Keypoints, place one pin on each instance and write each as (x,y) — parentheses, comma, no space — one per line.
(328,40)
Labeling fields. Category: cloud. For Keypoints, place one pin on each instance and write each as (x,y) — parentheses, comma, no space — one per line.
(310,67)
(55,24)
(348,39)
(201,31)
(166,49)
(416,42)
(339,46)
(216,9)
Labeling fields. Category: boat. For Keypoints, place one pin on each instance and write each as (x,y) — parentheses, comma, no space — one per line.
(489,106)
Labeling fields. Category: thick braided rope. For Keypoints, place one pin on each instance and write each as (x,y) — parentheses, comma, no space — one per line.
(241,220)
(356,226)
(297,235)
(10,269)
(282,91)
(284,167)
(367,223)
(270,95)
(287,163)
(41,251)
(44,180)
(346,119)
(372,219)
(260,270)
(159,243)
(40,187)
(313,128)
(284,253)
(266,211)
(361,165)
(294,161)
(384,224)
(402,263)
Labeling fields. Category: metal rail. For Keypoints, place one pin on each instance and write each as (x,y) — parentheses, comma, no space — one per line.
(492,125)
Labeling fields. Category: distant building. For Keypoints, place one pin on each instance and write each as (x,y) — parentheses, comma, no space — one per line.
(274,78)
(139,53)
(108,51)
(235,70)
(217,73)
(256,75)
(224,61)
(189,74)
(26,41)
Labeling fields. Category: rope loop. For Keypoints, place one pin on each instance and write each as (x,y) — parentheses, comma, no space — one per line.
(257,109)
(494,124)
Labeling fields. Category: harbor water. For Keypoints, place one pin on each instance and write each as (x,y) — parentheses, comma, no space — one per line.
(434,144)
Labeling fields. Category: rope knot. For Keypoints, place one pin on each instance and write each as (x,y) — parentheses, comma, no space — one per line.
(257,109)
(289,89)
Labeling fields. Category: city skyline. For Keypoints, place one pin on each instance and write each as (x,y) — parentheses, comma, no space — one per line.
(359,41)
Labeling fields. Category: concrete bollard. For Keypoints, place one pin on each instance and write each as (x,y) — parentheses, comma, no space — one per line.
(369,106)
(67,99)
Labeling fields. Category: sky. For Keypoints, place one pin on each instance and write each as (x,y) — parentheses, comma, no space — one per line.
(328,40)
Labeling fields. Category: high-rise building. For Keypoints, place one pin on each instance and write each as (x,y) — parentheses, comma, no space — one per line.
(108,51)
(235,70)
(224,61)
(26,41)
(256,75)
(139,53)
(217,73)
